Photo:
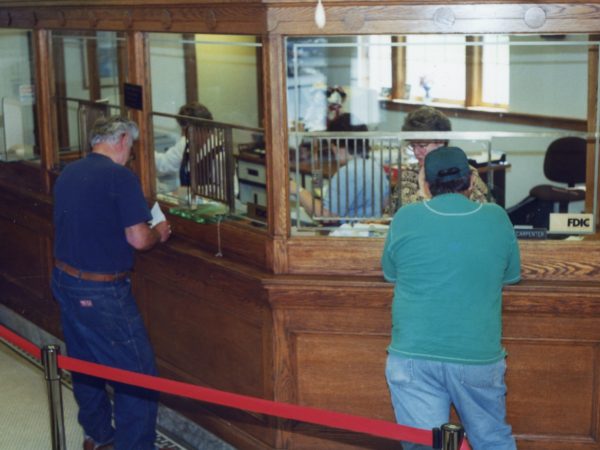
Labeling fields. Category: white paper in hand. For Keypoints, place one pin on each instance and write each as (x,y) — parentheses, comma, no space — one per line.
(157,215)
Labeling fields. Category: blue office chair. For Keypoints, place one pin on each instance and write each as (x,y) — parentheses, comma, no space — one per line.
(564,163)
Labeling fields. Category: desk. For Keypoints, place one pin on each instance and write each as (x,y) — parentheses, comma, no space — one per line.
(252,178)
(494,175)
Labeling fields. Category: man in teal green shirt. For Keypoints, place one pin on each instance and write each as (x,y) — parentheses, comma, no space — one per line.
(449,258)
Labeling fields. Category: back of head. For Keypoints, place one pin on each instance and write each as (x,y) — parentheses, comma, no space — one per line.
(447,170)
(426,118)
(193,109)
(344,122)
(110,130)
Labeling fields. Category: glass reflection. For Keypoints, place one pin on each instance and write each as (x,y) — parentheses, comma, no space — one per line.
(508,98)
(18,140)
(209,144)
(89,69)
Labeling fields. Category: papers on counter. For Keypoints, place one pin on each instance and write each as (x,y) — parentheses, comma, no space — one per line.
(157,215)
(360,230)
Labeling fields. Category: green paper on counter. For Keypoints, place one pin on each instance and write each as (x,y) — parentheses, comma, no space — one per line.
(204,213)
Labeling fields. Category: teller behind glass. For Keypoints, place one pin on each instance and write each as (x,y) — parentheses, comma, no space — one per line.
(411,181)
(175,160)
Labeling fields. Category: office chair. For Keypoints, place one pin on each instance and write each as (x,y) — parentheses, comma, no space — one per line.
(564,163)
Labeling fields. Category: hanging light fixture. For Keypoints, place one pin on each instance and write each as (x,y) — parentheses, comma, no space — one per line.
(320,15)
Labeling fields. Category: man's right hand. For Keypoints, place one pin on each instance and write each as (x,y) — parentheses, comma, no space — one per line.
(142,237)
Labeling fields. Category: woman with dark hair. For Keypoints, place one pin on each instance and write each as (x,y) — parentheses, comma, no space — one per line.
(171,161)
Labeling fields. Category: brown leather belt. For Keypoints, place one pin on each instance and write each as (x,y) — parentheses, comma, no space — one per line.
(89,276)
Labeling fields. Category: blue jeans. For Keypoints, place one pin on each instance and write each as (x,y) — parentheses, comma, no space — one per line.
(101,324)
(423,390)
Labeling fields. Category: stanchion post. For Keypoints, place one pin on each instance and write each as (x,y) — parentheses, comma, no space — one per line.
(452,436)
(52,374)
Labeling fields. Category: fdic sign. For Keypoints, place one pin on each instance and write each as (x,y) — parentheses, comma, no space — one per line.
(571,223)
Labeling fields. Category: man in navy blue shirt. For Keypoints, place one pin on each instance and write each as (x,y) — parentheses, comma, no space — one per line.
(100,218)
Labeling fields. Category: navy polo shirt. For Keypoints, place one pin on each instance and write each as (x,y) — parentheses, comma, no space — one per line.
(95,199)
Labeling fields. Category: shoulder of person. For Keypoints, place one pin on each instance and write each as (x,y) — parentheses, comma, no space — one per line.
(124,175)
(411,209)
(493,208)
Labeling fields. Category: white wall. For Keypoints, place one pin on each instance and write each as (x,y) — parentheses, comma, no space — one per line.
(550,79)
(227,78)
(167,74)
(77,84)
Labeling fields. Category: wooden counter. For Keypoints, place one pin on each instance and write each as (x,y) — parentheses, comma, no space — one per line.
(319,340)
(304,320)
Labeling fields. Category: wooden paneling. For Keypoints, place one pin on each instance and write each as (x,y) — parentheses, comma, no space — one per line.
(444,18)
(195,322)
(210,325)
(232,238)
(552,379)
(349,384)
(331,351)
(22,257)
(541,260)
(560,403)
(245,18)
(25,269)
(330,348)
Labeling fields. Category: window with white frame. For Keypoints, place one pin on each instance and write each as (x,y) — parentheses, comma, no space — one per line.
(435,68)
(468,71)
(495,71)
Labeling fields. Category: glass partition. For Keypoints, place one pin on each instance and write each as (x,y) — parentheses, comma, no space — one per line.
(90,67)
(518,106)
(208,136)
(18,138)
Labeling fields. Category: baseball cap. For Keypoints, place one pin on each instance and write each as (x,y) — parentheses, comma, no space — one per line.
(446,164)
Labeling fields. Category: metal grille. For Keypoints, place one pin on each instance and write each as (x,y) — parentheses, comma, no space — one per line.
(211,162)
(353,184)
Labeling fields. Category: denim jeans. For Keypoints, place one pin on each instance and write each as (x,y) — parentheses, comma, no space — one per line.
(101,324)
(423,390)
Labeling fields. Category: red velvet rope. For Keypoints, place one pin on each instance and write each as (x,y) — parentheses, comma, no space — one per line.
(307,414)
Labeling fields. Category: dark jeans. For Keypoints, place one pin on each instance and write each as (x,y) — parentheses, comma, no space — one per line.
(101,324)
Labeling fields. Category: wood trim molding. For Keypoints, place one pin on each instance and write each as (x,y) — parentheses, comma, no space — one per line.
(191,69)
(398,68)
(45,114)
(541,260)
(444,17)
(474,76)
(460,112)
(139,73)
(238,18)
(592,108)
(274,94)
